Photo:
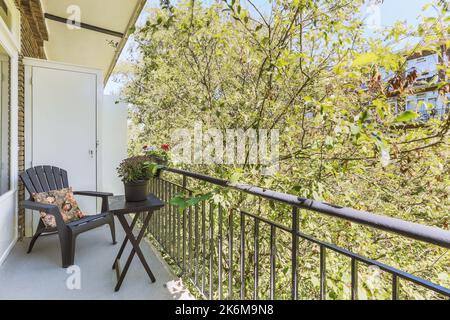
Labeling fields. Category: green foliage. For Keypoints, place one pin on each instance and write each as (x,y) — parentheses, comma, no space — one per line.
(300,69)
(406,116)
(183,201)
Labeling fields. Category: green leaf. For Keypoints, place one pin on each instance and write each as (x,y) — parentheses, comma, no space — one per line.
(363,117)
(355,129)
(179,202)
(365,59)
(182,202)
(195,200)
(406,116)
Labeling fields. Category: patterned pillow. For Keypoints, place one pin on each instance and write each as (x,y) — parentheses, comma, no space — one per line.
(64,200)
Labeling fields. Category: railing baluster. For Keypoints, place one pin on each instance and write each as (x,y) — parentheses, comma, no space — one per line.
(294,294)
(272,261)
(150,190)
(395,287)
(203,245)
(169,220)
(164,216)
(158,214)
(183,241)
(190,241)
(230,255)
(211,249)
(256,259)
(161,213)
(155,215)
(323,272)
(242,259)
(219,245)
(179,234)
(174,224)
(196,251)
(354,279)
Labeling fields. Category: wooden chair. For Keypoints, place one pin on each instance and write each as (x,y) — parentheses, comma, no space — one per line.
(47,178)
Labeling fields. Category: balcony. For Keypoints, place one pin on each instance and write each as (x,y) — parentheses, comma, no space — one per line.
(24,276)
(221,253)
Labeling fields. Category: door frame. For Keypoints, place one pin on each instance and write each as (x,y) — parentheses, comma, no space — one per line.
(10,42)
(31,63)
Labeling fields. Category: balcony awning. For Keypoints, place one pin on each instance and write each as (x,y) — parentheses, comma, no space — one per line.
(104,30)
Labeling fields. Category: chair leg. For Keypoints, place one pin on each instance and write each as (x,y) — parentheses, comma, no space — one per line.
(39,231)
(72,251)
(67,242)
(68,252)
(113,229)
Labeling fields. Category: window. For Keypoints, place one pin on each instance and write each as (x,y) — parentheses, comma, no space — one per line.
(411,105)
(422,109)
(393,104)
(426,66)
(433,107)
(4,124)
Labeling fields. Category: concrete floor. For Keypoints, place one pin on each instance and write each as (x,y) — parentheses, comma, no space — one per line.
(39,275)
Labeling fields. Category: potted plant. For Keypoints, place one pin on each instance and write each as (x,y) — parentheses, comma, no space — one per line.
(135,173)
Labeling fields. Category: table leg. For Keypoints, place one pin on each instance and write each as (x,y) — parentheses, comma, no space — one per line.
(125,241)
(136,249)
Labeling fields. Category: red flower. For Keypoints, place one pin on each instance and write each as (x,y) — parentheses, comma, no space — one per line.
(145,147)
(165,147)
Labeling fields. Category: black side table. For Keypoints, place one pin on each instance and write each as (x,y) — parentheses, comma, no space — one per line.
(119,207)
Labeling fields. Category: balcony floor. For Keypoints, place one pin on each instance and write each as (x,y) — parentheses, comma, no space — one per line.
(39,275)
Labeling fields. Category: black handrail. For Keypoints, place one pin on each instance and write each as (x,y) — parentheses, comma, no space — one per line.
(411,230)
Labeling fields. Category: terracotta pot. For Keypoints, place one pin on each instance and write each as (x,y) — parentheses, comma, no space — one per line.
(136,191)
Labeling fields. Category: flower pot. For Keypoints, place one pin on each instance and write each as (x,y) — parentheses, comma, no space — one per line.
(136,191)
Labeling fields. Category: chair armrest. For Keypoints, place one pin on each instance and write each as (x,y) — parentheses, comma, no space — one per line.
(103,195)
(93,194)
(47,208)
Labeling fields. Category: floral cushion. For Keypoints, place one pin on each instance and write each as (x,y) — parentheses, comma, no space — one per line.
(66,203)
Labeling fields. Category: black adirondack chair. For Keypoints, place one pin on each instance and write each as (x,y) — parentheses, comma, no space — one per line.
(47,178)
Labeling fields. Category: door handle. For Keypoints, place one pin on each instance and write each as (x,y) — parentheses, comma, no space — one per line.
(91,153)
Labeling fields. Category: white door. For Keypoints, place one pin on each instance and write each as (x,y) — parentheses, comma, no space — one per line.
(64,121)
(114,140)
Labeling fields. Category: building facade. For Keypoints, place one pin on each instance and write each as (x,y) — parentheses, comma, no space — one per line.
(426,98)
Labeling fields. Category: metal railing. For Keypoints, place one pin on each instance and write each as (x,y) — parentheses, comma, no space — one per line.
(201,242)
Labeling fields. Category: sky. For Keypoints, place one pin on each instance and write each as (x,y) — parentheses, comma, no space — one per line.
(388,13)
(403,10)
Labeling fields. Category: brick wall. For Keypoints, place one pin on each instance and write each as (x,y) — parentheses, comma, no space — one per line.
(33,37)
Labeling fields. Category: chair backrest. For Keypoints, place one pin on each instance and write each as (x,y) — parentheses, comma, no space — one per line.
(44,179)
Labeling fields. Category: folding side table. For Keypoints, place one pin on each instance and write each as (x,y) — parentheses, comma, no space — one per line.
(120,208)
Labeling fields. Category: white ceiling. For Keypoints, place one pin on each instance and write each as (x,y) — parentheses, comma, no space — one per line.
(87,47)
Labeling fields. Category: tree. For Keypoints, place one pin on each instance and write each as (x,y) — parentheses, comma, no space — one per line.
(302,67)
